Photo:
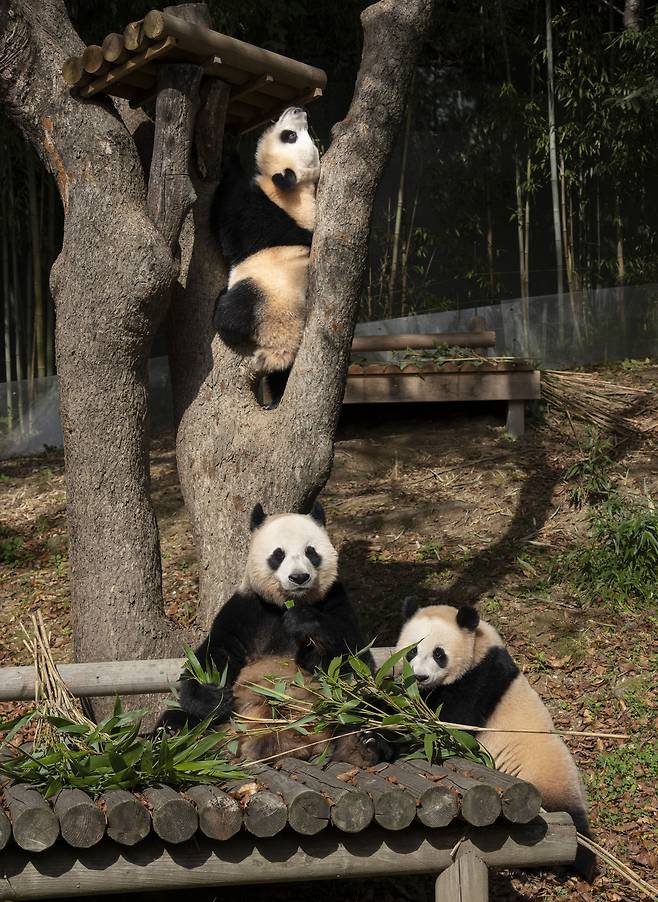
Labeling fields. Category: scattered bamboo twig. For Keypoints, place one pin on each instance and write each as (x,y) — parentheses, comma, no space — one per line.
(617,865)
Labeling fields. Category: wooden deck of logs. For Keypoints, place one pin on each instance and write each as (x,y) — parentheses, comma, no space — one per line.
(288,821)
(262,83)
(293,794)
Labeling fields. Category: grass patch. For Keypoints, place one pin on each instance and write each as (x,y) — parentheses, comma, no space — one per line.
(619,564)
(11,548)
(617,777)
(592,483)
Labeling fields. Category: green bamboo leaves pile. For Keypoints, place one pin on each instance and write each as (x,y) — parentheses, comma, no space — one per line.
(112,755)
(351,697)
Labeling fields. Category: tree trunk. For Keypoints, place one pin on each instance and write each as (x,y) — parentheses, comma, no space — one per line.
(633,15)
(110,284)
(231,452)
(552,145)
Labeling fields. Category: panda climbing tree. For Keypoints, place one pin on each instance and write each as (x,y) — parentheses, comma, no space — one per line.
(126,185)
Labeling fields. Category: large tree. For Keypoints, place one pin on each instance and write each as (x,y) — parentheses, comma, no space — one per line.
(126,264)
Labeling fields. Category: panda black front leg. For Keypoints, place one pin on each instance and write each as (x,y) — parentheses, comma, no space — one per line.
(303,624)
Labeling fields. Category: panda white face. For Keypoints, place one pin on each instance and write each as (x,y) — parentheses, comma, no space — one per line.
(445,644)
(286,152)
(291,557)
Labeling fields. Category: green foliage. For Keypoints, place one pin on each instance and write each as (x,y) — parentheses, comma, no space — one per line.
(361,700)
(203,674)
(619,565)
(10,549)
(112,755)
(593,484)
(619,776)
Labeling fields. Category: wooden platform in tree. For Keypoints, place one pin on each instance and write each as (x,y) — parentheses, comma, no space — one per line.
(262,83)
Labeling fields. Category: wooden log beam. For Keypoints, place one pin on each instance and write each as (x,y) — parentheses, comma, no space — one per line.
(5,829)
(264,813)
(438,805)
(34,824)
(129,69)
(418,341)
(73,71)
(152,866)
(174,818)
(467,880)
(110,678)
(81,822)
(114,49)
(205,42)
(220,816)
(93,61)
(520,801)
(395,807)
(250,86)
(134,38)
(479,803)
(128,821)
(308,809)
(352,809)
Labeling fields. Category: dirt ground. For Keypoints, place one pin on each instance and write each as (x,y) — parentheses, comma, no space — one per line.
(440,503)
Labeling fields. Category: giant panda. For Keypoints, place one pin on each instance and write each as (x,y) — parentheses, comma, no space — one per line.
(257,636)
(461,663)
(265,226)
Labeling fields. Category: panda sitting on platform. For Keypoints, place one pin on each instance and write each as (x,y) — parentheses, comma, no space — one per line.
(257,638)
(265,226)
(461,663)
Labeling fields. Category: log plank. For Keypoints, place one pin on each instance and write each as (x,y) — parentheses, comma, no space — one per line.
(395,807)
(520,801)
(174,818)
(438,805)
(151,866)
(220,816)
(128,821)
(81,822)
(467,880)
(352,809)
(33,822)
(5,829)
(479,803)
(308,809)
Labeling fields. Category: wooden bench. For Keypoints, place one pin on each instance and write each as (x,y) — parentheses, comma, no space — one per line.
(459,379)
(291,821)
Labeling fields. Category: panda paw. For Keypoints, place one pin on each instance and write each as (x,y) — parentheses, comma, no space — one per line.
(301,623)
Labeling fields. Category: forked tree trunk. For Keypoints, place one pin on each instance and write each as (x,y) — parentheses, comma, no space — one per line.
(231,452)
(112,283)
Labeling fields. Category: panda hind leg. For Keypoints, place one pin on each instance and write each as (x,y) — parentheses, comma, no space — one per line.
(235,317)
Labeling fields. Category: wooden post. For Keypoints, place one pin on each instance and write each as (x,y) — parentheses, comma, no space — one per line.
(516,418)
(467,880)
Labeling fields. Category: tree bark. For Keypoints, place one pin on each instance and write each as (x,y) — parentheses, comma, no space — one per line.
(109,283)
(231,452)
(633,15)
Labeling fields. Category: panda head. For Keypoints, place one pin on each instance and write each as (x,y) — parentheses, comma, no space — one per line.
(444,639)
(286,152)
(290,556)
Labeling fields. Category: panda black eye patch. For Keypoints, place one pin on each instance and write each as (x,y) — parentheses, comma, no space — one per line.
(288,136)
(411,654)
(276,558)
(440,657)
(313,556)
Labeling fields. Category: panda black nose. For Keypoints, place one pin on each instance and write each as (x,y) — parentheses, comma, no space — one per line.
(422,677)
(299,577)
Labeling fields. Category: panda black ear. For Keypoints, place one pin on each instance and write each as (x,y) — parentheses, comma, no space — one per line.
(284,180)
(468,618)
(317,514)
(409,607)
(258,517)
